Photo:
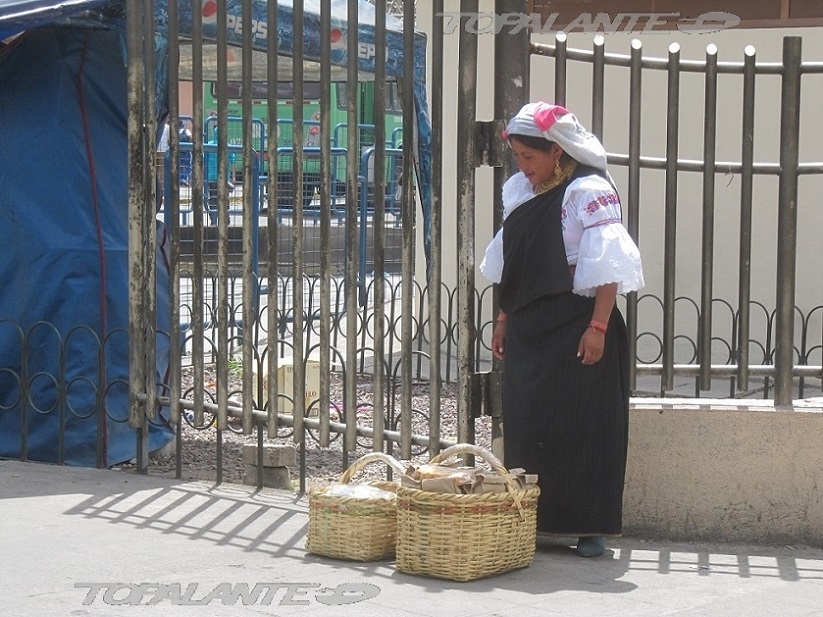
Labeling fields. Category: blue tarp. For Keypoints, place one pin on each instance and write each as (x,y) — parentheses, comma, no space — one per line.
(64,215)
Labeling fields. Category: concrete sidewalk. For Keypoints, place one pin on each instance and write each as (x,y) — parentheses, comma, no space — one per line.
(85,542)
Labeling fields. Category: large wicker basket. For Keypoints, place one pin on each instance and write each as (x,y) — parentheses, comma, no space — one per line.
(352,527)
(464,537)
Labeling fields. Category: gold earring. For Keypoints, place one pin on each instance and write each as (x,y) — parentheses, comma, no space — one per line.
(557,170)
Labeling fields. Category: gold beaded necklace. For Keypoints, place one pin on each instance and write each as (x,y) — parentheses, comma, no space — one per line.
(561,174)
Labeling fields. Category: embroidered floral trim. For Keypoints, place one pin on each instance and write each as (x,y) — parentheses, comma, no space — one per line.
(607,199)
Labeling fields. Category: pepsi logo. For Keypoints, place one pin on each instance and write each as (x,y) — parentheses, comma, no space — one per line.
(338,45)
(209,12)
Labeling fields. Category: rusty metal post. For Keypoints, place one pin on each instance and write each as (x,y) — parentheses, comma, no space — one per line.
(137,235)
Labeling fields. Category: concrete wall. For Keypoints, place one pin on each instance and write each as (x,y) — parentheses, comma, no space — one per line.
(718,471)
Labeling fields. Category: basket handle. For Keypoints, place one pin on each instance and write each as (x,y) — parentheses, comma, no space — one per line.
(491,459)
(469,448)
(371,457)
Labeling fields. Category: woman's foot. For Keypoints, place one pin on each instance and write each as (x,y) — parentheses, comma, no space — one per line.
(591,546)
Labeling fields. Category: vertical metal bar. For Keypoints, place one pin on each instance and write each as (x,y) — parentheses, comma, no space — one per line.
(787,220)
(100,407)
(137,242)
(150,220)
(249,224)
(511,92)
(352,239)
(466,333)
(325,222)
(746,194)
(633,224)
(598,84)
(299,368)
(222,313)
(149,242)
(197,206)
(379,330)
(435,270)
(709,157)
(272,273)
(560,65)
(173,205)
(408,218)
(261,444)
(25,403)
(670,230)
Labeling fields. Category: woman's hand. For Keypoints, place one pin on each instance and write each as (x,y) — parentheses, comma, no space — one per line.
(499,339)
(590,349)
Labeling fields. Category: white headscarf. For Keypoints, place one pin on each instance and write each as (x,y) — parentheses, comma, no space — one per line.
(558,124)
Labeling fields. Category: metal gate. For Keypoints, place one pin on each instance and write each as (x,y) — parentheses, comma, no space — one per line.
(332,302)
(333,312)
(382,361)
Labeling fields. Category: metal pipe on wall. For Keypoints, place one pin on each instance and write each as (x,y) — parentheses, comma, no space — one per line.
(787,219)
(670,224)
(633,201)
(746,193)
(707,263)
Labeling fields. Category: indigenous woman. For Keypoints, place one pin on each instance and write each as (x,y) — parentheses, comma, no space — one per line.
(560,260)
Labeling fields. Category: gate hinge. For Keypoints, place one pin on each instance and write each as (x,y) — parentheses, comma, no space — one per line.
(487,394)
(488,142)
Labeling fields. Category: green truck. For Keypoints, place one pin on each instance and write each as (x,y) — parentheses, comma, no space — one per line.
(312,138)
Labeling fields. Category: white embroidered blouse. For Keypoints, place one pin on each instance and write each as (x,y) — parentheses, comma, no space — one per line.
(597,243)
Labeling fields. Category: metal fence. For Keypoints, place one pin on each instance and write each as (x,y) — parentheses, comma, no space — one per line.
(703,335)
(323,299)
(234,304)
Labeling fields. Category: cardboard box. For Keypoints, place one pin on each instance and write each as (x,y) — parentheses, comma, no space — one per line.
(285,385)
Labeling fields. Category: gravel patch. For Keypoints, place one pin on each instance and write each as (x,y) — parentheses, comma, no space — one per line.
(200,451)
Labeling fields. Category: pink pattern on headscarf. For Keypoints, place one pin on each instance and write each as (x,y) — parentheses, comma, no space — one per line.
(546,115)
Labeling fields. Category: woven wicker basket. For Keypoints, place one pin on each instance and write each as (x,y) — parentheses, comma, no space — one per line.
(356,528)
(466,537)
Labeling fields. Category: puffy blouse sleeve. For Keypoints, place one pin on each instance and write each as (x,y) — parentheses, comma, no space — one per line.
(492,264)
(516,191)
(606,252)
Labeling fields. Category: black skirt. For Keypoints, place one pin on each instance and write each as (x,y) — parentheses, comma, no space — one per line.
(565,421)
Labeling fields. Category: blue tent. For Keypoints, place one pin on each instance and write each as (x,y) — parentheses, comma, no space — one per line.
(63,208)
(64,312)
